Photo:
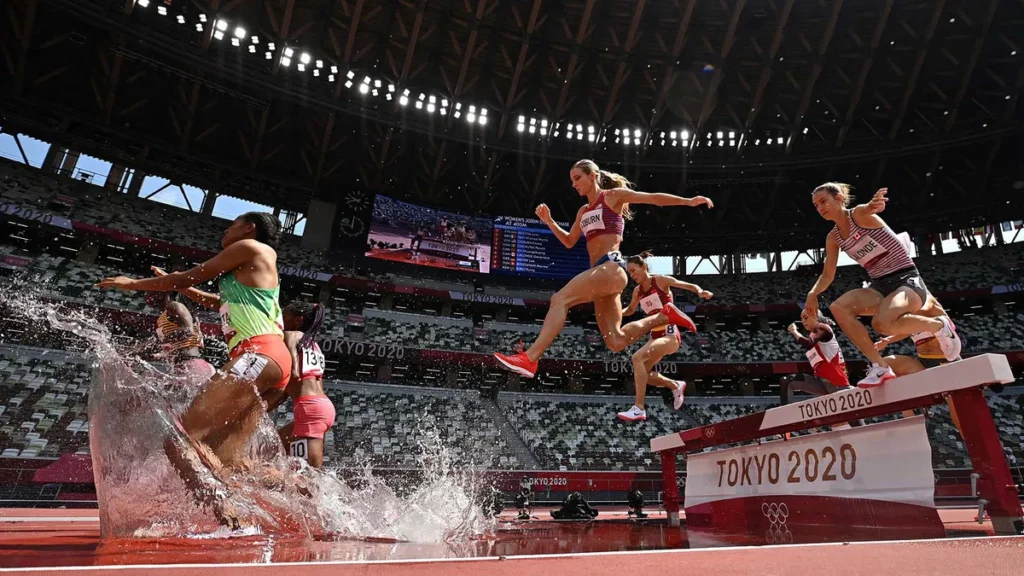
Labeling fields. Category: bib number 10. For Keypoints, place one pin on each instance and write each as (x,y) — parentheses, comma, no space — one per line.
(300,449)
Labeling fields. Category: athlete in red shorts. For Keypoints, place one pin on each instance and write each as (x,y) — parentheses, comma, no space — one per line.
(314,411)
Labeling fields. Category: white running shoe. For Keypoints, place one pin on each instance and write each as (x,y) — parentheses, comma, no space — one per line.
(949,340)
(876,376)
(677,395)
(633,414)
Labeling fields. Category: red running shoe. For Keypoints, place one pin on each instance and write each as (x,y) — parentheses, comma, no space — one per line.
(519,363)
(677,317)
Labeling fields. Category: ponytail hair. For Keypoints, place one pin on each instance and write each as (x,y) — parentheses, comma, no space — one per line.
(822,319)
(266,227)
(838,190)
(607,181)
(312,320)
(640,259)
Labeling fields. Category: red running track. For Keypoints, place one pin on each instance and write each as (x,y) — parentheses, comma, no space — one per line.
(43,535)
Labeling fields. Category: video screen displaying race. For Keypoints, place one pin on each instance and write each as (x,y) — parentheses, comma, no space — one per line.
(404,232)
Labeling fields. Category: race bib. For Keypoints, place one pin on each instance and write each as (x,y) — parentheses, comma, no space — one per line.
(299,449)
(651,304)
(813,357)
(312,362)
(865,250)
(593,220)
(225,321)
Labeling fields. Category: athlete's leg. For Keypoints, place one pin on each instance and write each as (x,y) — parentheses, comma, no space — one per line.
(608,313)
(659,381)
(603,281)
(285,432)
(647,358)
(897,314)
(903,365)
(846,309)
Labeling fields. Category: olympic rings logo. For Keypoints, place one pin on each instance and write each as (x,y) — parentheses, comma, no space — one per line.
(709,432)
(777,514)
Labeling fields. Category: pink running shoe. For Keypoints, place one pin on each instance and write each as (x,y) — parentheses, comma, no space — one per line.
(677,317)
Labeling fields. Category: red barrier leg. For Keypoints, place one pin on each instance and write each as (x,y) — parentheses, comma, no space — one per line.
(995,484)
(670,487)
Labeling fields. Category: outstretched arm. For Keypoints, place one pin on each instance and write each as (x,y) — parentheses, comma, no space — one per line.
(619,196)
(230,258)
(568,239)
(204,299)
(828,274)
(666,282)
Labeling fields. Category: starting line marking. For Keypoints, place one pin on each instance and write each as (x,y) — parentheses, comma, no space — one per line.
(577,555)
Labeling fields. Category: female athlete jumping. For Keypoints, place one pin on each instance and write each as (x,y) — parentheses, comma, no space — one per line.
(651,294)
(226,412)
(897,292)
(825,356)
(179,337)
(601,221)
(314,411)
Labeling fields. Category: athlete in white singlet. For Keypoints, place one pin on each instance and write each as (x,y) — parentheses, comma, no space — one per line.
(896,294)
(825,356)
(652,294)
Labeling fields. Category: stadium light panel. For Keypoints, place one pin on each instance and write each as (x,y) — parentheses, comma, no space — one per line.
(301,67)
(221,25)
(543,123)
(472,109)
(334,70)
(386,96)
(348,84)
(218,35)
(483,111)
(444,102)
(590,130)
(255,39)
(316,72)
(319,63)
(522,120)
(458,113)
(376,84)
(591,137)
(304,58)
(234,42)
(780,140)
(673,134)
(419,105)
(286,61)
(471,118)
(483,120)
(180,19)
(366,80)
(269,55)
(240,33)
(252,49)
(144,3)
(351,75)
(270,45)
(636,133)
(364,88)
(161,10)
(431,107)
(543,131)
(199,27)
(732,135)
(718,135)
(579,127)
(331,79)
(422,96)
(202,16)
(403,100)
(288,52)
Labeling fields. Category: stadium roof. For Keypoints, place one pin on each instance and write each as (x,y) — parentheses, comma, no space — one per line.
(434,101)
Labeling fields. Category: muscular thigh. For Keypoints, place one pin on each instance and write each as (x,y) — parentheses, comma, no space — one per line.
(862,301)
(656,349)
(902,301)
(594,284)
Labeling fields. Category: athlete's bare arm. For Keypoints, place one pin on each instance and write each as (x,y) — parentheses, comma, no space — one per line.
(667,282)
(568,239)
(616,197)
(634,301)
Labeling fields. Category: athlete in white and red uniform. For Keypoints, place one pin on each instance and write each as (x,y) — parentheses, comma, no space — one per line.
(601,221)
(825,356)
(652,294)
(897,292)
(314,411)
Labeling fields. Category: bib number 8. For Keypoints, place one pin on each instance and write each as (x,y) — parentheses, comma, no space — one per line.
(300,449)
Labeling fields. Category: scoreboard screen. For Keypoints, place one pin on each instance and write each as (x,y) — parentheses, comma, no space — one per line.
(527,247)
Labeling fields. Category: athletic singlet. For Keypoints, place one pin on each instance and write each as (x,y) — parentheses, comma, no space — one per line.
(246,312)
(827,360)
(880,251)
(167,330)
(599,219)
(652,301)
(311,362)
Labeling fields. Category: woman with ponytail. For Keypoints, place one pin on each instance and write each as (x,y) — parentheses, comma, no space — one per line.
(314,411)
(652,294)
(601,221)
(214,430)
(823,353)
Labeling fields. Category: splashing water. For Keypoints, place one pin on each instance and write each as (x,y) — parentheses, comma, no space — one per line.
(141,495)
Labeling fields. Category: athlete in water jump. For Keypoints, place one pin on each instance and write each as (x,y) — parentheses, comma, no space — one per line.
(179,337)
(601,221)
(652,294)
(897,292)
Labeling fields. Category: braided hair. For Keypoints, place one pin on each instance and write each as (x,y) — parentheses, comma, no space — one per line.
(268,229)
(312,320)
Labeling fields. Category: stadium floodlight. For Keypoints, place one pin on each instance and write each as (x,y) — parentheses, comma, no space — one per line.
(419,105)
(304,58)
(403,100)
(202,16)
(458,106)
(330,78)
(674,143)
(533,129)
(348,84)
(234,42)
(316,72)
(288,52)
(432,99)
(221,25)
(374,92)
(543,131)
(180,19)
(319,63)
(590,130)
(376,84)
(780,140)
(388,96)
(218,35)
(255,39)
(431,107)
(579,127)
(252,49)
(483,119)
(472,109)
(334,70)
(301,67)
(286,61)
(199,27)
(269,55)
(483,111)
(144,3)
(636,133)
(591,137)
(444,102)
(521,127)
(364,88)
(351,75)
(543,123)
(161,10)
(718,135)
(522,119)
(422,96)
(240,33)
(732,135)
(270,45)
(366,80)
(471,117)
(673,134)
(686,134)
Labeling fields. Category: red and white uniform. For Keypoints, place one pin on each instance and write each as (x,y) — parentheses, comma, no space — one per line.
(314,415)
(827,360)
(880,251)
(599,219)
(652,300)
